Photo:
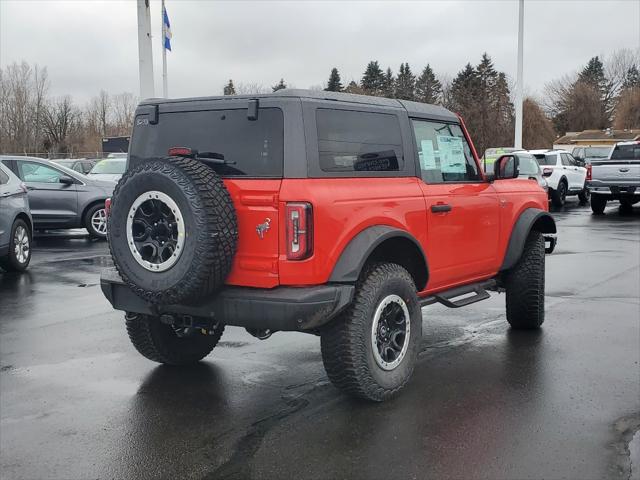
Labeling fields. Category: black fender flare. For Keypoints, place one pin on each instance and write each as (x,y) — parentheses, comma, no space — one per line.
(528,219)
(354,256)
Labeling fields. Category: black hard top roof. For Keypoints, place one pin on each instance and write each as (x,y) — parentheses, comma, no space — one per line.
(412,108)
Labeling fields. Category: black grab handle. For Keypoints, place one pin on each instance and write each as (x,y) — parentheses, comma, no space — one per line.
(441,207)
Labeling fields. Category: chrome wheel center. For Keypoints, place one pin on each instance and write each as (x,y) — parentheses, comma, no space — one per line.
(390,332)
(155,231)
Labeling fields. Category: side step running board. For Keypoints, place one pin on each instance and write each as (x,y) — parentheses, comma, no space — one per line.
(472,293)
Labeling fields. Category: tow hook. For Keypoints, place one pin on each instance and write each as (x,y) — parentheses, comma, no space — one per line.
(551,240)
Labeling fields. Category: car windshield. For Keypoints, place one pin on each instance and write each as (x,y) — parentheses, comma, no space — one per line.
(113,167)
(528,165)
(596,152)
(546,159)
(626,152)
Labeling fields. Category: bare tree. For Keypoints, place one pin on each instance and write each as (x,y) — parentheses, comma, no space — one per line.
(627,113)
(251,88)
(124,108)
(60,118)
(537,129)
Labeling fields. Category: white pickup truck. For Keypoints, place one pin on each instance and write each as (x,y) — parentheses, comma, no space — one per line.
(616,178)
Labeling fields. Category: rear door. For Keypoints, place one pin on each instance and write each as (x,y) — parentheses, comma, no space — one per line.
(6,217)
(254,152)
(572,172)
(53,204)
(462,209)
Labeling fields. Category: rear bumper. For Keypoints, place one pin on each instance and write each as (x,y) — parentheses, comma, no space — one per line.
(281,308)
(613,190)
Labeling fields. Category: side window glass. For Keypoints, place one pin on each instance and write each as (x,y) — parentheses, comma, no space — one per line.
(4,178)
(78,167)
(36,172)
(565,159)
(351,141)
(444,154)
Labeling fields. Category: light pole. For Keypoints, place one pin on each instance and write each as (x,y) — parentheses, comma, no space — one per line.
(519,82)
(145,55)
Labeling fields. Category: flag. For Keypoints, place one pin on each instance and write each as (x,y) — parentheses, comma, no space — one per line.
(167,29)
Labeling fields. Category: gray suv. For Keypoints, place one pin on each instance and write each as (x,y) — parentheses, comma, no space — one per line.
(60,197)
(16,226)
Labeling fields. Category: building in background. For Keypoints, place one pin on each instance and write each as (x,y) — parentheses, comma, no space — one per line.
(595,138)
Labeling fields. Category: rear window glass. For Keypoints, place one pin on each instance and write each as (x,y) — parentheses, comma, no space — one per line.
(597,152)
(527,165)
(351,141)
(546,159)
(112,167)
(253,148)
(626,152)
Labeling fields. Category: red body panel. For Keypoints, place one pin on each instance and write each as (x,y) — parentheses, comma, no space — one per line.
(464,245)
(256,260)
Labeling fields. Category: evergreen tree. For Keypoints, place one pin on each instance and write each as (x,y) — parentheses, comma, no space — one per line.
(593,75)
(428,87)
(632,78)
(279,86)
(229,88)
(405,83)
(334,84)
(353,87)
(388,88)
(373,79)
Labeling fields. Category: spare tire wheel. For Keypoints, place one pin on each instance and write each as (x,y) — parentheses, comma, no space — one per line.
(172,230)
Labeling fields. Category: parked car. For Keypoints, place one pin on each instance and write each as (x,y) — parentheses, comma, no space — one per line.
(60,197)
(16,226)
(527,167)
(616,178)
(110,169)
(492,154)
(319,212)
(587,154)
(564,175)
(80,165)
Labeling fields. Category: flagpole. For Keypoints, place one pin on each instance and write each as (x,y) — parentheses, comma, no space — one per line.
(145,55)
(164,56)
(519,82)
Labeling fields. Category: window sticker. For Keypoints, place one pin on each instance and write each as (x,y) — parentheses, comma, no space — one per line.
(427,156)
(452,158)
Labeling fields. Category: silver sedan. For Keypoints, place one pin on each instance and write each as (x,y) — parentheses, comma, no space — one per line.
(61,197)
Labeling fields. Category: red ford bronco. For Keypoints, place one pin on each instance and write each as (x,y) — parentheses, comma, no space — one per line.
(332,214)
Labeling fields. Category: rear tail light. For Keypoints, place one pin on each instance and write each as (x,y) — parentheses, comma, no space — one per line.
(589,172)
(547,172)
(299,221)
(107,206)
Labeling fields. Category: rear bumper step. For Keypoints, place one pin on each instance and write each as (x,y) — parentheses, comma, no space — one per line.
(280,308)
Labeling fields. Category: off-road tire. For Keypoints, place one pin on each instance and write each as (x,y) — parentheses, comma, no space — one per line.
(346,343)
(598,204)
(211,230)
(584,196)
(87,221)
(10,263)
(524,285)
(559,195)
(160,343)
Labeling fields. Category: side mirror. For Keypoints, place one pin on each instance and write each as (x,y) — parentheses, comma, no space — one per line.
(507,166)
(67,180)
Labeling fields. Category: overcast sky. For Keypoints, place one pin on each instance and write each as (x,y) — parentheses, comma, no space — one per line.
(92,45)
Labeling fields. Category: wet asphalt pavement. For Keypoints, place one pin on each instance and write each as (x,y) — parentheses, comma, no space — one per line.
(77,402)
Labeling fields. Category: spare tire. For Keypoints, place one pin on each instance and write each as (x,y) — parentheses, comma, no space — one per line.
(172,230)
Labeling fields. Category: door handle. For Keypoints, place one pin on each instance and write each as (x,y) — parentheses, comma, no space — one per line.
(441,208)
